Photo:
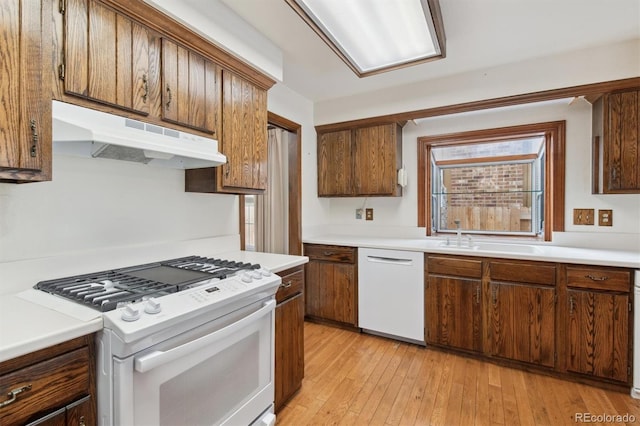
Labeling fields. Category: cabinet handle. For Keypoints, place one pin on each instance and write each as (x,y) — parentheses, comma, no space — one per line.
(494,295)
(477,294)
(571,305)
(169,96)
(81,421)
(13,395)
(328,253)
(34,137)
(594,278)
(286,285)
(226,170)
(145,86)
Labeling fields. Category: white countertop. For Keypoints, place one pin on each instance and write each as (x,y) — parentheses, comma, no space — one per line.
(490,248)
(27,326)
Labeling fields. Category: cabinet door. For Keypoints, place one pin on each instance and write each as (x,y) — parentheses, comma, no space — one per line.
(191,87)
(25,109)
(244,134)
(598,332)
(522,323)
(330,292)
(622,142)
(106,56)
(289,348)
(376,160)
(334,164)
(453,312)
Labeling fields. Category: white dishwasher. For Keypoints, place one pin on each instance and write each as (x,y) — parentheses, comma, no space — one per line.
(391,293)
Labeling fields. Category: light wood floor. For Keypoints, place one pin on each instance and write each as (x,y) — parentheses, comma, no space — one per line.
(353,378)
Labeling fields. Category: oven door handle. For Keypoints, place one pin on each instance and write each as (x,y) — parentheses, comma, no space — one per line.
(155,359)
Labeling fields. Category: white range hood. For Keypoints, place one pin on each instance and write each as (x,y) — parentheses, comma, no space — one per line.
(85,132)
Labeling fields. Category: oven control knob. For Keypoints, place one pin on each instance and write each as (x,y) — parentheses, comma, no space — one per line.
(255,274)
(129,313)
(246,277)
(265,272)
(152,306)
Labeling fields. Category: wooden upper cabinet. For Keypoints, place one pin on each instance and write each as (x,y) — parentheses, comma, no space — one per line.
(334,164)
(25,107)
(106,56)
(360,162)
(377,156)
(191,88)
(617,126)
(243,141)
(244,134)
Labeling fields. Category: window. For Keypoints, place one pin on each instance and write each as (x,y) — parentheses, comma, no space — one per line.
(507,181)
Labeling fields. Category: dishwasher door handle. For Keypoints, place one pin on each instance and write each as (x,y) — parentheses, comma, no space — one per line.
(389,260)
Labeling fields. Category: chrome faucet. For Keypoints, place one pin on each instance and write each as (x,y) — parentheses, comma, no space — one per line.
(458,232)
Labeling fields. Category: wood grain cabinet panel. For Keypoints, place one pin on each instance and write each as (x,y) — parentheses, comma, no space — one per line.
(453,312)
(360,162)
(58,383)
(289,336)
(106,56)
(331,288)
(335,164)
(243,141)
(522,319)
(191,89)
(598,322)
(617,125)
(25,107)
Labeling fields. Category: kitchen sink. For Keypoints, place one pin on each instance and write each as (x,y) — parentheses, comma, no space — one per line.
(494,247)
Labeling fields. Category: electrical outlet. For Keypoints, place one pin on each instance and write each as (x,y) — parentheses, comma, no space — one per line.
(358,213)
(583,216)
(369,214)
(605,217)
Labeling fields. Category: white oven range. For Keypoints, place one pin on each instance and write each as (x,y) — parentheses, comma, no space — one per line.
(199,351)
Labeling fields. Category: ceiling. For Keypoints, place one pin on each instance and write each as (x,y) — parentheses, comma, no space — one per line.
(480,34)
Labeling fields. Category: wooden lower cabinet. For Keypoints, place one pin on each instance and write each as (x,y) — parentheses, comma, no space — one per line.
(598,315)
(521,311)
(289,336)
(53,386)
(331,284)
(570,320)
(522,319)
(453,308)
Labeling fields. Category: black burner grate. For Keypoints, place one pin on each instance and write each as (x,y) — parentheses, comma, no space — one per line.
(107,290)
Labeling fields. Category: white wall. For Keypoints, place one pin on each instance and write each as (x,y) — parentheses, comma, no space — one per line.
(99,203)
(605,63)
(400,214)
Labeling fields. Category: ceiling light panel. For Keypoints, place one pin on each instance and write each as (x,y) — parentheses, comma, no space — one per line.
(375,35)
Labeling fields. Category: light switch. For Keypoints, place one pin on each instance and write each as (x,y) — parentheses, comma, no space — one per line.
(605,217)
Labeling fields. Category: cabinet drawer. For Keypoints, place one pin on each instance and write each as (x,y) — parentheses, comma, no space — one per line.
(291,284)
(53,383)
(330,253)
(523,272)
(599,278)
(453,266)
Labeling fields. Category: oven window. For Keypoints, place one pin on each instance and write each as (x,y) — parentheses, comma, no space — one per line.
(203,400)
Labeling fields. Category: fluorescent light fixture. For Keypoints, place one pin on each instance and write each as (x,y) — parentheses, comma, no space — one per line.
(373,36)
